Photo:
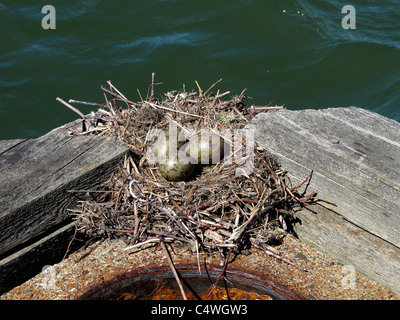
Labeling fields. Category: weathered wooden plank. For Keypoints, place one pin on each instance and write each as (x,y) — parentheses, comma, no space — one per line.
(355,155)
(330,233)
(29,261)
(363,169)
(9,144)
(35,176)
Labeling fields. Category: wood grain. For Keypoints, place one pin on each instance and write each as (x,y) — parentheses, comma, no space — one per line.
(36,176)
(355,155)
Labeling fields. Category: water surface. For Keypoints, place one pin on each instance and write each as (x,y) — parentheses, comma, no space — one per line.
(295,51)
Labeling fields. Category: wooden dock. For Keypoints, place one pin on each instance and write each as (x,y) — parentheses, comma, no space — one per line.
(354,155)
(355,158)
(39,180)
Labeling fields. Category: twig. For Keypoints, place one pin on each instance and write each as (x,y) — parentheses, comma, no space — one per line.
(140,95)
(90,251)
(113,87)
(198,257)
(171,264)
(239,231)
(109,106)
(294,197)
(170,109)
(151,240)
(323,200)
(205,93)
(178,222)
(219,245)
(264,162)
(269,104)
(306,179)
(87,103)
(222,94)
(220,275)
(143,222)
(75,110)
(152,87)
(165,235)
(69,244)
(179,207)
(116,95)
(136,228)
(253,241)
(260,109)
(200,91)
(269,108)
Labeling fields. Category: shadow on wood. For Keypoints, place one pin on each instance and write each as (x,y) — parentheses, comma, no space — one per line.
(37,182)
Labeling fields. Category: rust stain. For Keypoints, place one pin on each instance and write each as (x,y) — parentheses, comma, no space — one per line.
(158,283)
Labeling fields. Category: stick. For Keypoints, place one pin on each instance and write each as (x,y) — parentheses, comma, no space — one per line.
(86,103)
(269,104)
(135,211)
(179,207)
(69,244)
(268,108)
(222,94)
(200,91)
(179,223)
(165,235)
(171,264)
(75,110)
(264,162)
(198,257)
(294,197)
(220,275)
(272,254)
(205,93)
(306,179)
(141,98)
(320,199)
(145,242)
(169,109)
(116,95)
(152,87)
(113,87)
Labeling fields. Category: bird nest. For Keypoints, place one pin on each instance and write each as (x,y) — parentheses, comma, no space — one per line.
(244,200)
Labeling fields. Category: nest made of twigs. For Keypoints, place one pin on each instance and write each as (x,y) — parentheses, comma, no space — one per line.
(216,209)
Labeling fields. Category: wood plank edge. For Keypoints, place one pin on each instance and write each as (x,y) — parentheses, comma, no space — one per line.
(29,261)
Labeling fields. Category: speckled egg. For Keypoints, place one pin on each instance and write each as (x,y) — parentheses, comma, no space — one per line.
(174,170)
(161,146)
(206,148)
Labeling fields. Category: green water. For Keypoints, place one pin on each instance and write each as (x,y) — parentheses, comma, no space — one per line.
(295,51)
